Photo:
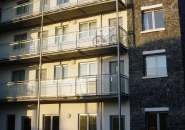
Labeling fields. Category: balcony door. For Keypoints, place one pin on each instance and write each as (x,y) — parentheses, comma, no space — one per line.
(20,39)
(114,77)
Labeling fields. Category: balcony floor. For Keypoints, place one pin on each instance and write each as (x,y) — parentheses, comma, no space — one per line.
(69,99)
(54,56)
(59,15)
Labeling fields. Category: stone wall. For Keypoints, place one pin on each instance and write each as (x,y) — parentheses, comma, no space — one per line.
(156,92)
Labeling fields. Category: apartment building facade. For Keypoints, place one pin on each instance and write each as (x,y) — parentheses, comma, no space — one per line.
(79,77)
(157,95)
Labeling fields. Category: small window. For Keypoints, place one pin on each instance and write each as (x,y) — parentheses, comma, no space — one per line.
(21,41)
(22,9)
(87,29)
(18,75)
(114,125)
(10,122)
(88,69)
(87,122)
(153,20)
(26,123)
(43,74)
(61,71)
(157,121)
(155,65)
(51,122)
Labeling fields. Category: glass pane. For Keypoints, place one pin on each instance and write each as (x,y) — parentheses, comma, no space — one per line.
(159,22)
(83,122)
(92,69)
(92,25)
(22,76)
(18,38)
(59,31)
(83,26)
(47,122)
(15,76)
(115,123)
(59,2)
(83,69)
(11,122)
(92,122)
(26,123)
(66,1)
(147,21)
(65,29)
(152,121)
(163,121)
(92,33)
(55,123)
(150,66)
(65,71)
(161,65)
(58,72)
(83,34)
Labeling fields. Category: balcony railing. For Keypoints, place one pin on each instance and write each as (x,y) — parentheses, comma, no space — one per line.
(75,86)
(105,36)
(34,8)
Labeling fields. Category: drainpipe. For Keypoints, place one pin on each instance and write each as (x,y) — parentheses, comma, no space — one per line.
(40,68)
(118,74)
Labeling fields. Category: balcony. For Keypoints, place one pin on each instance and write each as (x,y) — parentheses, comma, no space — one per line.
(89,43)
(88,88)
(29,14)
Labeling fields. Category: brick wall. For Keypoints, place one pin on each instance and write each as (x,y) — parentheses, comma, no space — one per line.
(156,92)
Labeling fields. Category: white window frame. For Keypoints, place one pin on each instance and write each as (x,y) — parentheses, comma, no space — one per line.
(61,74)
(88,115)
(157,111)
(152,9)
(88,30)
(88,68)
(51,115)
(154,53)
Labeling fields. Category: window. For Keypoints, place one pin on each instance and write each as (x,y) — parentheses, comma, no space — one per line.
(87,122)
(45,34)
(87,29)
(88,69)
(10,122)
(20,40)
(115,123)
(43,74)
(157,121)
(153,20)
(62,1)
(26,123)
(155,65)
(22,9)
(61,71)
(18,75)
(51,122)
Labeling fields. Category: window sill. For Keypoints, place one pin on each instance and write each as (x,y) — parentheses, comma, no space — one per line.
(153,30)
(155,76)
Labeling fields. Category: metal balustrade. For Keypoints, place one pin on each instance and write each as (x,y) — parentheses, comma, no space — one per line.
(98,37)
(105,84)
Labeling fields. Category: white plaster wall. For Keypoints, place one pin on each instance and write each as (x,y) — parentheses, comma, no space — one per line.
(63,110)
(18,110)
(32,33)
